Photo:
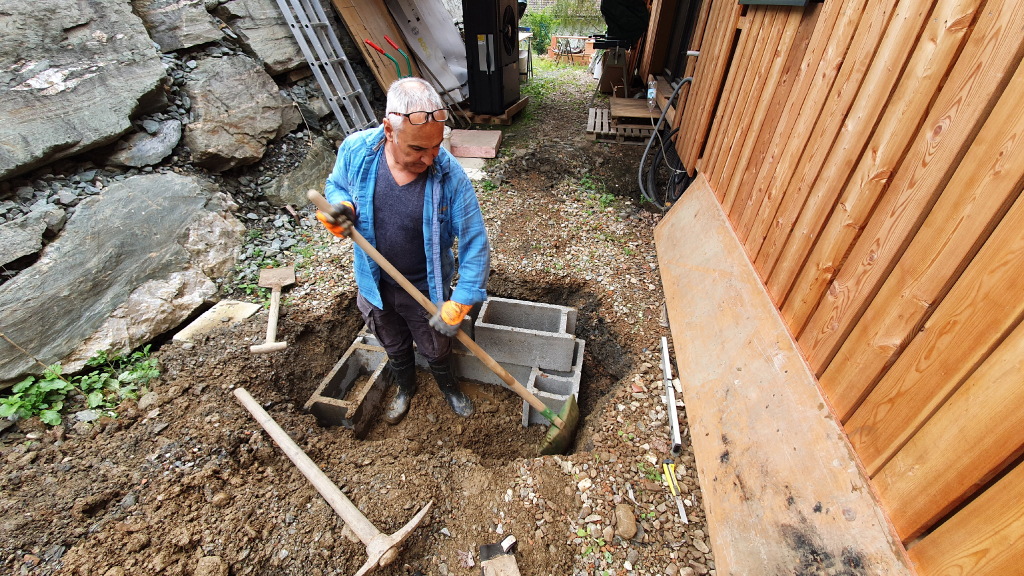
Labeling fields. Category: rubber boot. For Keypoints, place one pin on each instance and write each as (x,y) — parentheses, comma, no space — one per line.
(403,368)
(449,386)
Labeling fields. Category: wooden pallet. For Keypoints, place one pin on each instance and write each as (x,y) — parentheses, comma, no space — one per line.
(502,120)
(632,134)
(599,124)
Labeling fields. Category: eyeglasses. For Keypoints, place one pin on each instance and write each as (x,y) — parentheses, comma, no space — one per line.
(421,117)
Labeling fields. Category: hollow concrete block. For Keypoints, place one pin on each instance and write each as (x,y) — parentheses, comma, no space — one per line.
(527,333)
(340,401)
(553,387)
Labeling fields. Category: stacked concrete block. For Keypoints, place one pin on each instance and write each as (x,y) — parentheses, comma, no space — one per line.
(527,333)
(352,393)
(554,387)
(534,342)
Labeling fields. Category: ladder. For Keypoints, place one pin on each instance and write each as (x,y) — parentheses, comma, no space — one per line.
(320,46)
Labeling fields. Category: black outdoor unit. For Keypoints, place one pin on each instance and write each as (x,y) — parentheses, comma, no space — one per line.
(492,52)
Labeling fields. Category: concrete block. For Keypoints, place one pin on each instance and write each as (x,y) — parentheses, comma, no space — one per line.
(475,143)
(554,387)
(527,333)
(233,310)
(352,393)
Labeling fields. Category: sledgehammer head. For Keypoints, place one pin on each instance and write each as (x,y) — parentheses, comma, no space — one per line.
(266,348)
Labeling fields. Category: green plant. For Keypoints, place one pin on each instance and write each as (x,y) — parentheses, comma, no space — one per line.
(595,542)
(112,378)
(255,233)
(33,396)
(542,23)
(649,472)
(606,199)
(488,186)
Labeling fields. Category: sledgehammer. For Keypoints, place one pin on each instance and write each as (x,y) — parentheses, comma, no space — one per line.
(381,548)
(275,279)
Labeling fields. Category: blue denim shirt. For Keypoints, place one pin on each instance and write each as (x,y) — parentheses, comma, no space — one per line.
(450,211)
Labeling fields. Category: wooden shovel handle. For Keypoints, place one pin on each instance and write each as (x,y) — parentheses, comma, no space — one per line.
(477,351)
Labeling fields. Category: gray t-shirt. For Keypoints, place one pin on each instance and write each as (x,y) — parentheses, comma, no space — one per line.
(398,225)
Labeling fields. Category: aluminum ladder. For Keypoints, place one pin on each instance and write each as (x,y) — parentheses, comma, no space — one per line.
(322,50)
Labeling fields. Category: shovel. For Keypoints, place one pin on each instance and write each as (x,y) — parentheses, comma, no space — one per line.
(273,278)
(381,549)
(563,425)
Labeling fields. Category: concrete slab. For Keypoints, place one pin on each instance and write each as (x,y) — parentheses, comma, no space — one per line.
(474,168)
(232,310)
(475,143)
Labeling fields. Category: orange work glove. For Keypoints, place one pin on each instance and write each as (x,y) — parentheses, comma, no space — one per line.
(448,317)
(345,215)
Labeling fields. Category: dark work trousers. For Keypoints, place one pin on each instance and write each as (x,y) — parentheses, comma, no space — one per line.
(402,322)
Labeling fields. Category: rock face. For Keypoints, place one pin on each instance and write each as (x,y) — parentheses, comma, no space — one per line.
(71,73)
(177,24)
(119,274)
(312,172)
(263,30)
(142,149)
(237,109)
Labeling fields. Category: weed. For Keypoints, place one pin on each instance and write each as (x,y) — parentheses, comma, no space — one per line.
(595,542)
(255,233)
(32,396)
(649,472)
(606,199)
(488,186)
(112,379)
(628,251)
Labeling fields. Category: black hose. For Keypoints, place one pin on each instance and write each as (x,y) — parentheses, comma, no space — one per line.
(650,196)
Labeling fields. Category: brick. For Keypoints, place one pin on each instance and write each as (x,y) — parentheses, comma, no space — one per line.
(527,333)
(476,143)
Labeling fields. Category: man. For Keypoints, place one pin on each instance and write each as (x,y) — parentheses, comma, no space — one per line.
(410,199)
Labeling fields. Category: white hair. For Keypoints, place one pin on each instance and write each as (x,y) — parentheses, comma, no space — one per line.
(411,95)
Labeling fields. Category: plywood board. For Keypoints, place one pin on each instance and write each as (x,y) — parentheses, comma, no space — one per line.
(968,96)
(633,108)
(985,538)
(968,441)
(781,483)
(370,19)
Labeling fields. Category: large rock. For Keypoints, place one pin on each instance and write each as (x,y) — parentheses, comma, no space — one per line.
(312,172)
(119,274)
(142,149)
(263,30)
(21,237)
(237,109)
(71,73)
(177,24)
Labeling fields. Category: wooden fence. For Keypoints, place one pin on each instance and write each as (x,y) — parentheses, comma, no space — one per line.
(870,156)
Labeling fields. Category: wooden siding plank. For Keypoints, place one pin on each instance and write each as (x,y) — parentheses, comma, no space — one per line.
(985,538)
(748,53)
(986,182)
(734,135)
(901,36)
(762,95)
(968,441)
(711,81)
(697,89)
(817,147)
(982,307)
(779,99)
(982,71)
(658,31)
(777,474)
(815,86)
(691,65)
(934,55)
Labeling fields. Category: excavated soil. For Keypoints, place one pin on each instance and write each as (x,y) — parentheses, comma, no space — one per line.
(193,475)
